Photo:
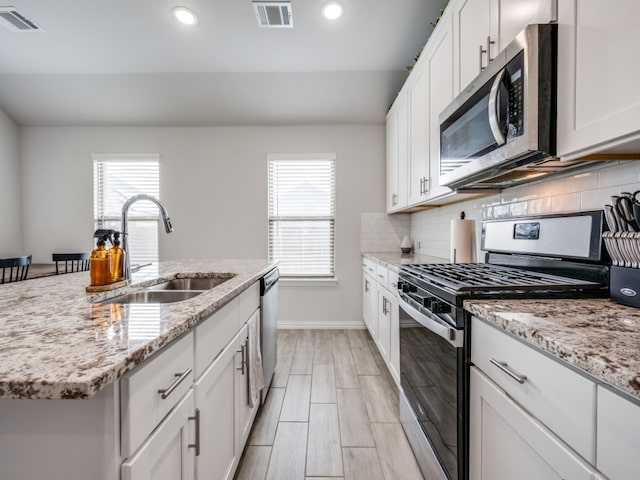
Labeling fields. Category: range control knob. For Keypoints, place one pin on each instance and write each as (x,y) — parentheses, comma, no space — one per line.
(427,302)
(440,307)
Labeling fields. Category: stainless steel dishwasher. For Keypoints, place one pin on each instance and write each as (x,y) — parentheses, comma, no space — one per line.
(269,326)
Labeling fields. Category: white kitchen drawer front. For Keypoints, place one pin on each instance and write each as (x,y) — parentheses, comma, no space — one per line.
(560,398)
(369,266)
(382,275)
(168,374)
(618,436)
(392,281)
(213,334)
(249,301)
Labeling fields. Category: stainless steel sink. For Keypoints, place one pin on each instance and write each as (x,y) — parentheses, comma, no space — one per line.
(193,283)
(154,296)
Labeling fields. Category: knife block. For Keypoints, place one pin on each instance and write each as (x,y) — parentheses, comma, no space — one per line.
(624,285)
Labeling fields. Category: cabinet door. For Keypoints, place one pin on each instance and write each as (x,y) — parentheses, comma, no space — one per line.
(507,443)
(166,454)
(510,17)
(394,339)
(246,413)
(440,60)
(598,71)
(471,27)
(215,397)
(397,154)
(384,323)
(418,104)
(618,436)
(367,288)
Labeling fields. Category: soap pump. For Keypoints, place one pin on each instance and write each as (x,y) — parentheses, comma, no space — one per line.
(100,263)
(117,259)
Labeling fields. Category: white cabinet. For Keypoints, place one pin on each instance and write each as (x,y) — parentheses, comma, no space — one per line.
(169,451)
(397,154)
(418,128)
(440,65)
(618,436)
(217,396)
(598,71)
(482,28)
(506,442)
(381,312)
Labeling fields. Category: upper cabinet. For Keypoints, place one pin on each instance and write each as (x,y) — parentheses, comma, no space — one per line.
(482,28)
(598,71)
(397,154)
(468,35)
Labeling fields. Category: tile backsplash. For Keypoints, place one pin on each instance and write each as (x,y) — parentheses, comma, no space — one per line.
(587,190)
(380,232)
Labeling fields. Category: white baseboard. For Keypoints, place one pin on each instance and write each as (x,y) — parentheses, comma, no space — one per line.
(321,325)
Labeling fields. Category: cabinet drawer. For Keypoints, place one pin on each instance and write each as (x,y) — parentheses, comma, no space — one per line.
(213,333)
(143,407)
(560,398)
(618,436)
(392,282)
(382,275)
(369,266)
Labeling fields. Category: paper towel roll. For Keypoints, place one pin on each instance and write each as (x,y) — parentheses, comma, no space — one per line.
(463,241)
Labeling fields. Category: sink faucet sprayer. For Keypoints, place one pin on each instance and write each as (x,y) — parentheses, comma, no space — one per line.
(168,227)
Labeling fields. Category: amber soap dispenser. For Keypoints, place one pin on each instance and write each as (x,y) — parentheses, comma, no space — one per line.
(100,264)
(117,259)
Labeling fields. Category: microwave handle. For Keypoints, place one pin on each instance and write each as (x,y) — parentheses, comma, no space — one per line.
(493,109)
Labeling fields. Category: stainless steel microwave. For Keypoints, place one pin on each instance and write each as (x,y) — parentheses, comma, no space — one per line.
(501,130)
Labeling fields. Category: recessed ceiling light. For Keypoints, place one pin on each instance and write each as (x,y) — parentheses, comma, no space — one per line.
(332,10)
(184,15)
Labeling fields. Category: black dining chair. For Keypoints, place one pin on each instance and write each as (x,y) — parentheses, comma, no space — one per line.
(73,262)
(14,269)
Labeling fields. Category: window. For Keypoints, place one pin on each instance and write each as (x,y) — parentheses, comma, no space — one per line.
(302,214)
(117,178)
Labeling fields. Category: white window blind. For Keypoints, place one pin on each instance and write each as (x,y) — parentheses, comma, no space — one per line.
(116,179)
(302,215)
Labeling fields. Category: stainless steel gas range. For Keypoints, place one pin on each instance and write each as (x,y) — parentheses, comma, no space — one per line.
(529,257)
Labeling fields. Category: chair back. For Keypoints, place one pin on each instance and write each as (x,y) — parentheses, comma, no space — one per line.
(14,269)
(73,262)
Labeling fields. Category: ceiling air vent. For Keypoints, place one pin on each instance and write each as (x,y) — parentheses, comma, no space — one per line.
(15,21)
(274,14)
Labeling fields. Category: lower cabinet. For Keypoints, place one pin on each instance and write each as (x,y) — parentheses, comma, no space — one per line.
(216,393)
(380,313)
(507,443)
(169,452)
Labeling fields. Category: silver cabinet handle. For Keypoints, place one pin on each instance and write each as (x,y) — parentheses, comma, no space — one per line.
(243,360)
(505,368)
(489,43)
(366,285)
(380,275)
(197,444)
(394,199)
(426,185)
(482,51)
(165,392)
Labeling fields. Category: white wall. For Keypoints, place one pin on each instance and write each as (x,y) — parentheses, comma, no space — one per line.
(213,181)
(10,202)
(588,190)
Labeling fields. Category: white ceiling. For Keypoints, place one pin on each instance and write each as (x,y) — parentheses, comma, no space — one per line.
(128,62)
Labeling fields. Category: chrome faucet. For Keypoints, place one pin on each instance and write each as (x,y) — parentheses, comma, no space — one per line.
(168,227)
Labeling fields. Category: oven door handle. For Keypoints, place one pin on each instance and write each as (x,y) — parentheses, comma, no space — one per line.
(435,325)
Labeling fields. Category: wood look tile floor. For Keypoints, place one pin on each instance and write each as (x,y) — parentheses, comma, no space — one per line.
(332,413)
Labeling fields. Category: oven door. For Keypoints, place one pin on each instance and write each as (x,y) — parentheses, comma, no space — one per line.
(432,365)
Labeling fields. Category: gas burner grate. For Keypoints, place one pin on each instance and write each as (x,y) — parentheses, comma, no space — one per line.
(468,277)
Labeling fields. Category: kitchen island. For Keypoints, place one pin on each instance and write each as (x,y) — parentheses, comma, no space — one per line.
(74,373)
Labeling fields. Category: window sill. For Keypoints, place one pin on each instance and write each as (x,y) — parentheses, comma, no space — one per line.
(308,282)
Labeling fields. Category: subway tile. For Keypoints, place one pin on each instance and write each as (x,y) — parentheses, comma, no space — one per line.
(595,199)
(581,182)
(539,206)
(569,202)
(552,187)
(621,174)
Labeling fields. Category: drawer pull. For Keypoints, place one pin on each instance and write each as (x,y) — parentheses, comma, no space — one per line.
(165,392)
(197,444)
(505,368)
(243,360)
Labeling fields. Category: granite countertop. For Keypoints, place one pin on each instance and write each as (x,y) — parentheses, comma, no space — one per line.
(396,259)
(55,342)
(598,336)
